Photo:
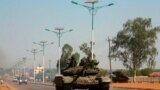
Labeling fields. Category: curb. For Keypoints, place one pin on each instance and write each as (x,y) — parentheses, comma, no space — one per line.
(139,86)
(47,84)
(136,88)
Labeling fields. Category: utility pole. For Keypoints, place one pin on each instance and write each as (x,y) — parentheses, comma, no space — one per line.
(109,56)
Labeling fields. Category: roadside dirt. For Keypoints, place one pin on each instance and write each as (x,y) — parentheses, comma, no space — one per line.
(143,86)
(4,87)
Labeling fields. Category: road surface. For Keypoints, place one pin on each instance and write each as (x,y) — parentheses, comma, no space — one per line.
(30,86)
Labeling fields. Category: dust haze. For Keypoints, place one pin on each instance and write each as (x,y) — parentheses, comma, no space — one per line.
(3,59)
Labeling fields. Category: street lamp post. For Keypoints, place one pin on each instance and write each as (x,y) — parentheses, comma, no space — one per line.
(43,44)
(34,51)
(59,32)
(24,61)
(92,10)
(49,61)
(18,68)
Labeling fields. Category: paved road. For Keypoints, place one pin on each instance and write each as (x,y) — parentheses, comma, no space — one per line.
(32,87)
(121,89)
(45,87)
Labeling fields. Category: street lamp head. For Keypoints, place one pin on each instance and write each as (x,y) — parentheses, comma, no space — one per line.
(52,42)
(43,41)
(47,30)
(34,51)
(27,50)
(59,28)
(91,1)
(34,42)
(71,30)
(74,2)
(110,4)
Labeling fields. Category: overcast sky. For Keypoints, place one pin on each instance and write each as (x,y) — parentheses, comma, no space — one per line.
(23,22)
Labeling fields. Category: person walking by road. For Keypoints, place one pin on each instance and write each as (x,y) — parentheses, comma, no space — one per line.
(1,81)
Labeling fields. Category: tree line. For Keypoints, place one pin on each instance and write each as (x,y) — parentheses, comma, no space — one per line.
(134,46)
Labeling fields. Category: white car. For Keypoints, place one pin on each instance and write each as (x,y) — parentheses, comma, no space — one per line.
(23,80)
(15,80)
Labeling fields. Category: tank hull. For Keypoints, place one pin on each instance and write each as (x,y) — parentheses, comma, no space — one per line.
(62,84)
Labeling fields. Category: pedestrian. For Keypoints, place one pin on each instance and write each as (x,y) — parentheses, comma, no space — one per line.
(1,81)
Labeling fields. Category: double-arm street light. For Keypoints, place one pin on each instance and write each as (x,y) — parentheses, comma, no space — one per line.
(34,52)
(59,32)
(92,10)
(22,62)
(43,44)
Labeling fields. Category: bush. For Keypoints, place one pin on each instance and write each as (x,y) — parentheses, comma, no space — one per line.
(146,71)
(119,77)
(102,72)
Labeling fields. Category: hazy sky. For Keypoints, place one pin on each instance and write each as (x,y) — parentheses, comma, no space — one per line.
(23,22)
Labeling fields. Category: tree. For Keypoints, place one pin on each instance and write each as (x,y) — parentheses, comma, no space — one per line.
(102,72)
(67,58)
(87,60)
(73,61)
(86,49)
(135,44)
(66,54)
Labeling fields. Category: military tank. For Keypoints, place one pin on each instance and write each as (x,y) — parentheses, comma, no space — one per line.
(81,77)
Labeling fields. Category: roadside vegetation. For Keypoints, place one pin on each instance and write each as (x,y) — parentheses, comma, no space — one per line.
(134,45)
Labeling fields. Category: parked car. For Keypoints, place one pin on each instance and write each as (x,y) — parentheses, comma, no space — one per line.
(14,80)
(22,80)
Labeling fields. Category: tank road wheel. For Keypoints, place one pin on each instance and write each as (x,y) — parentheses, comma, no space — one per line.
(59,82)
(67,87)
(105,86)
(59,87)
